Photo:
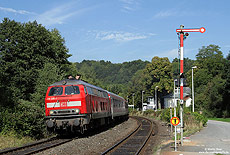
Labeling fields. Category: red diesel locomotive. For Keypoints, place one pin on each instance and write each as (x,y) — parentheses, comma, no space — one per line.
(74,105)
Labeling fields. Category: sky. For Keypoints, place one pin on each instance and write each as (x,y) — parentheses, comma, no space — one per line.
(127,30)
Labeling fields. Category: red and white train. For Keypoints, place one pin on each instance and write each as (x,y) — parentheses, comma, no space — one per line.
(74,105)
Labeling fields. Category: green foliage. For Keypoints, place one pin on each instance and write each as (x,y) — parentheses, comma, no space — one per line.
(24,50)
(157,73)
(46,76)
(165,115)
(105,74)
(148,112)
(136,86)
(209,81)
(226,100)
(200,118)
(188,63)
(220,119)
(31,58)
(11,139)
(214,97)
(26,119)
(109,73)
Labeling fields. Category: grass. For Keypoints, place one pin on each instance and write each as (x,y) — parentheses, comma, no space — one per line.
(220,119)
(11,140)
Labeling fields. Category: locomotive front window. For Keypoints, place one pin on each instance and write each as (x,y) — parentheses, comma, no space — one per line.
(70,90)
(56,91)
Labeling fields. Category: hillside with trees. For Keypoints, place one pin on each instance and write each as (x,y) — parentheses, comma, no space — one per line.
(113,77)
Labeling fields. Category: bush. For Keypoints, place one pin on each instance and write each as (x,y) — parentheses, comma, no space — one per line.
(200,118)
(165,115)
(149,112)
(26,119)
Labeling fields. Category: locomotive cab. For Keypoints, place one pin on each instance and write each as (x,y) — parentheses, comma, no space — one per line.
(65,106)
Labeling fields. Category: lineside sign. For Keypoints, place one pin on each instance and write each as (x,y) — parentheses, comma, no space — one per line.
(175,121)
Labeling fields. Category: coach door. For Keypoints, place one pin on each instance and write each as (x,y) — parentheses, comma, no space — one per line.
(91,103)
(112,103)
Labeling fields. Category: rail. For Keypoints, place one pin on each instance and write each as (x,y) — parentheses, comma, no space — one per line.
(135,141)
(36,146)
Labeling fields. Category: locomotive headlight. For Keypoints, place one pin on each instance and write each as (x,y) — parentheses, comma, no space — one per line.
(77,111)
(51,112)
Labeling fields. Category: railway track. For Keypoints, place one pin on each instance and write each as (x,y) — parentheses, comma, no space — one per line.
(135,141)
(36,147)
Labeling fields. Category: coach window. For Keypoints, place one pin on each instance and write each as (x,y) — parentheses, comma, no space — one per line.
(56,91)
(105,95)
(94,91)
(71,90)
(100,93)
(89,90)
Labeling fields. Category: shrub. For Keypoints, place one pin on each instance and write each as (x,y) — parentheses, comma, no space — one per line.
(165,115)
(27,119)
(200,118)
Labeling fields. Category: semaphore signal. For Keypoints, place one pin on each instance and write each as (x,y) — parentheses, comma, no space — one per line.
(201,30)
(183,33)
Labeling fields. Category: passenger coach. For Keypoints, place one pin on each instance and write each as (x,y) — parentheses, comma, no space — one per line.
(74,105)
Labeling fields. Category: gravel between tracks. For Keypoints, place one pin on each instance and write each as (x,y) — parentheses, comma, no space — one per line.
(94,144)
(161,134)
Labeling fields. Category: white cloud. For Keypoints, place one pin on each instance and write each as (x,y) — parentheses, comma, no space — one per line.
(173,13)
(60,14)
(171,54)
(166,13)
(121,36)
(129,5)
(23,12)
(128,1)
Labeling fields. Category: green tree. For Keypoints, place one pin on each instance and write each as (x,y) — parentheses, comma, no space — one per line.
(226,104)
(214,93)
(24,49)
(209,80)
(114,77)
(159,73)
(136,86)
(188,63)
(49,74)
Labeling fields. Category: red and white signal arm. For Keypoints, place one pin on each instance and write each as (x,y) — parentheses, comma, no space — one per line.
(201,30)
(175,121)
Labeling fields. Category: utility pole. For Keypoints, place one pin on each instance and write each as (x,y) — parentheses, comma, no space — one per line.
(142,100)
(175,103)
(133,100)
(182,36)
(193,99)
(156,96)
